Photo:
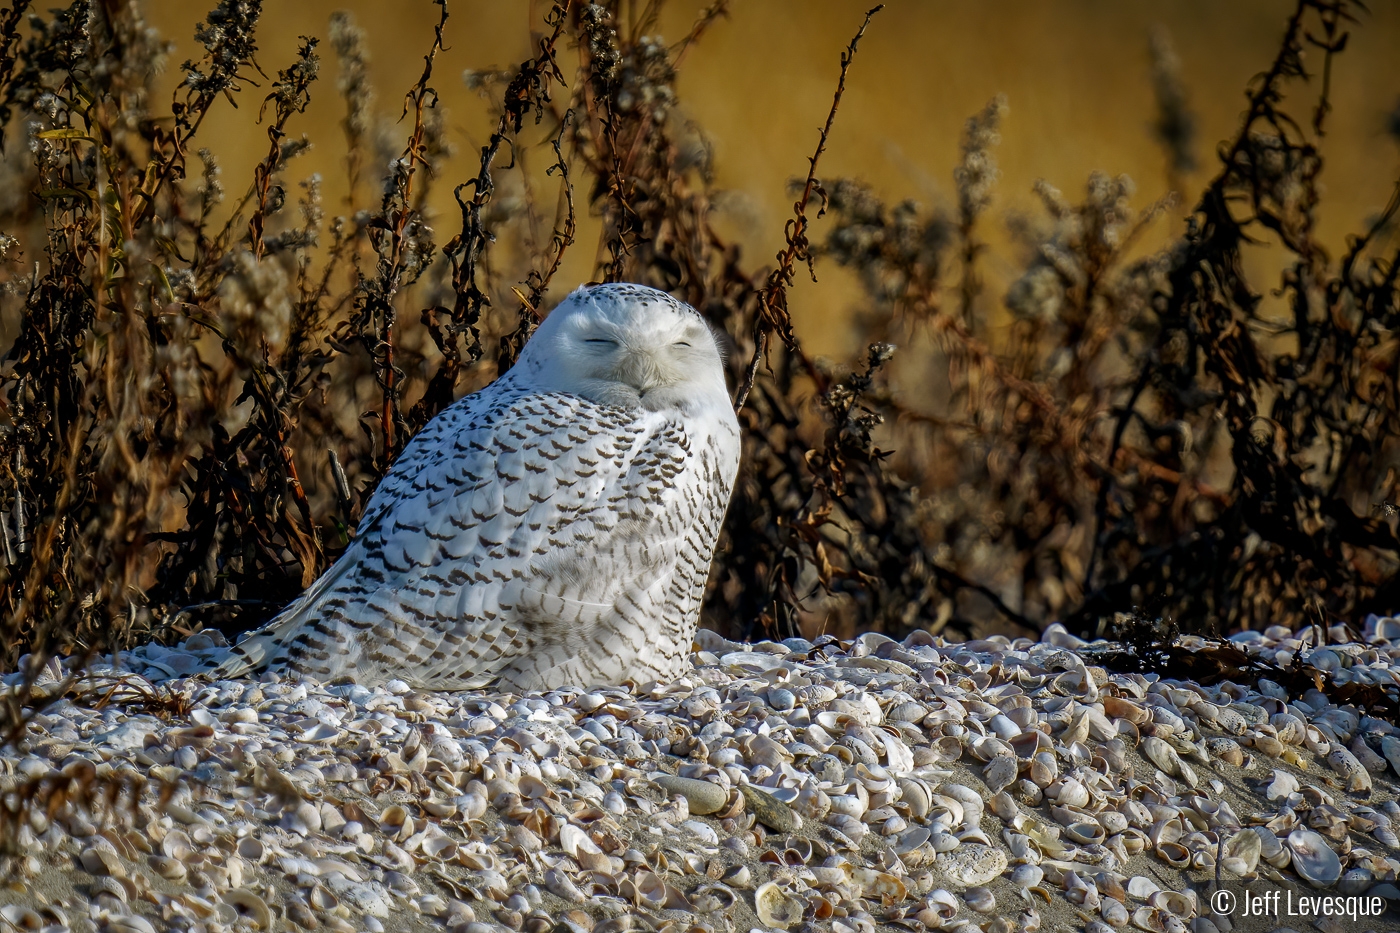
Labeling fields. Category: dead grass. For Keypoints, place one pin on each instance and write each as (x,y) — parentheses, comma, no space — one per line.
(175,450)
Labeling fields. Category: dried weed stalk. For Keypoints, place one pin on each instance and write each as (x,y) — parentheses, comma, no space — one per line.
(1237,464)
(173,449)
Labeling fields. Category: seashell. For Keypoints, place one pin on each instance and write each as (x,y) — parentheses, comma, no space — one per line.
(817,737)
(102,860)
(322,899)
(879,815)
(1077,891)
(947,748)
(848,804)
(169,868)
(775,908)
(1231,721)
(1069,793)
(1313,859)
(1028,743)
(1047,841)
(878,884)
(1328,821)
(971,864)
(21,918)
(1175,903)
(1141,887)
(1044,769)
(1003,728)
(971,801)
(1028,792)
(1242,851)
(1113,911)
(907,711)
(874,778)
(1113,822)
(916,795)
(943,903)
(396,822)
(177,845)
(781,699)
(471,806)
(106,884)
(563,886)
(1342,761)
(439,847)
(1077,730)
(972,834)
(1268,745)
(1004,807)
(1367,755)
(1281,786)
(1356,881)
(1000,772)
(1174,854)
(1119,708)
(532,788)
(1111,885)
(249,907)
(944,842)
(913,839)
(1226,750)
(1026,876)
(650,890)
(1153,920)
(797,851)
(703,831)
(1161,754)
(947,811)
(1169,829)
(738,876)
(985,748)
(1271,848)
(1390,748)
(1114,754)
(713,898)
(848,826)
(980,899)
(1085,833)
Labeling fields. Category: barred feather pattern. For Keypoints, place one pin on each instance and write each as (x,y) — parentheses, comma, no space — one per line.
(526,539)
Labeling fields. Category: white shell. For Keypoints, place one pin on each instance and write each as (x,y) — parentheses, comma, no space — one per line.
(249,905)
(775,908)
(1313,859)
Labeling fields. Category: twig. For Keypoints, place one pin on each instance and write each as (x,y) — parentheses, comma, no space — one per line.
(772,305)
(537,282)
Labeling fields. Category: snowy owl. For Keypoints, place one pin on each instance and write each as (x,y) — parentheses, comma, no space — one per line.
(555,528)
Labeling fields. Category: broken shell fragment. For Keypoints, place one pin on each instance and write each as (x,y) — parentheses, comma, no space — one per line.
(774,908)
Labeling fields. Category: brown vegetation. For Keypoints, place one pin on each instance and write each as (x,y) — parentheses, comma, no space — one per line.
(176,442)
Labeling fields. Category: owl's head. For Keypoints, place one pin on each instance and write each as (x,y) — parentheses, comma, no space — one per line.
(624,344)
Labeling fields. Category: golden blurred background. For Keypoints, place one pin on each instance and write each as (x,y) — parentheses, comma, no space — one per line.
(1076,74)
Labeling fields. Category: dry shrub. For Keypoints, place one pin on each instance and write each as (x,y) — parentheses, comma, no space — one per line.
(1148,436)
(174,446)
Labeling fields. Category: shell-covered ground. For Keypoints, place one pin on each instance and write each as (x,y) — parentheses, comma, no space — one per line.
(995,785)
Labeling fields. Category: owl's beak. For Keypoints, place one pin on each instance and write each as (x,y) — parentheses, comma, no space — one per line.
(643,370)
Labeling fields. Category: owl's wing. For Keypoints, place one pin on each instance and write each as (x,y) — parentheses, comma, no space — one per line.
(512,522)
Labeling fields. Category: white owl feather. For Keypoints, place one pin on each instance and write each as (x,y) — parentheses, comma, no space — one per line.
(554,528)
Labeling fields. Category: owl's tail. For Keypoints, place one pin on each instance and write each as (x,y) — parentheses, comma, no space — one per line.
(260,649)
